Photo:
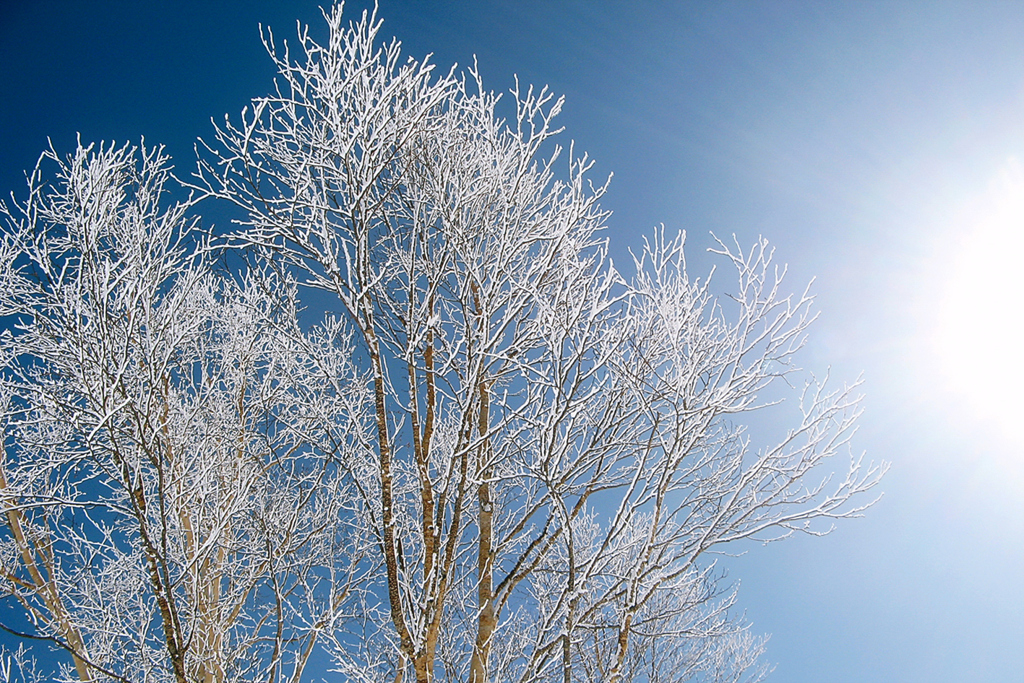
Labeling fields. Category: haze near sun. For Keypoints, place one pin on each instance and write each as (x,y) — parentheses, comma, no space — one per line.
(979,327)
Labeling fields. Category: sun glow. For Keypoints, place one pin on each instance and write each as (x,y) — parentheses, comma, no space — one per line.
(979,334)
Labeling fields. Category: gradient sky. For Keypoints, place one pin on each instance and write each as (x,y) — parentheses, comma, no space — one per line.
(877,145)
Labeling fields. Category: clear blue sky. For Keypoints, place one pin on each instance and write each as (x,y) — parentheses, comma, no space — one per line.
(878,145)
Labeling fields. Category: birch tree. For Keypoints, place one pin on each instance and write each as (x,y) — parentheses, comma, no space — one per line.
(557,448)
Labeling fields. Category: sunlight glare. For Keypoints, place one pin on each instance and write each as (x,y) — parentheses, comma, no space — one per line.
(980,323)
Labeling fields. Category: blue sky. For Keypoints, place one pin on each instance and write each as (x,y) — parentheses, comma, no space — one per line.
(877,145)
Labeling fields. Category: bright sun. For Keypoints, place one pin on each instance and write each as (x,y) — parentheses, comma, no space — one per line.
(979,336)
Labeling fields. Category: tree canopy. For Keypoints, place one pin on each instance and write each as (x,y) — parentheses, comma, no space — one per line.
(498,458)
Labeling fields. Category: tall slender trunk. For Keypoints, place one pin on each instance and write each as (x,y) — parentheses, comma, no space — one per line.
(46,587)
(622,646)
(387,502)
(487,617)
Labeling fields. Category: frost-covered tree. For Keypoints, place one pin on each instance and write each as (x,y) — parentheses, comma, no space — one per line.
(497,458)
(164,518)
(556,446)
